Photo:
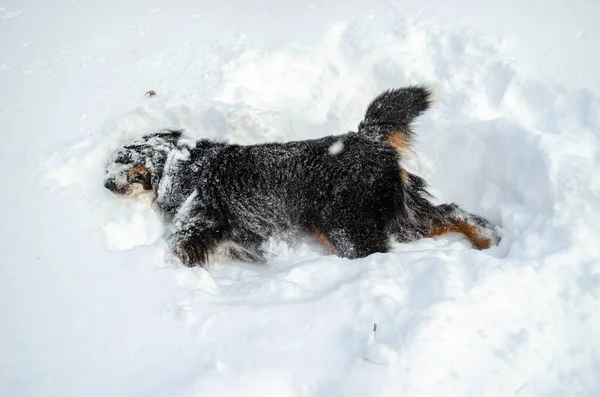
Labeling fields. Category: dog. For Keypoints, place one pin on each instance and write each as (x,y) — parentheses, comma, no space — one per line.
(349,191)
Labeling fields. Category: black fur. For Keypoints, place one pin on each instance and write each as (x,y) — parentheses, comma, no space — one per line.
(349,188)
(395,110)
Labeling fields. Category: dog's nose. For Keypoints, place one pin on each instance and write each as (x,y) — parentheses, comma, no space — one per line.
(110,185)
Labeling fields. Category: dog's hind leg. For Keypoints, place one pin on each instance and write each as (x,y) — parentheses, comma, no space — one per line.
(431,221)
(449,218)
(420,218)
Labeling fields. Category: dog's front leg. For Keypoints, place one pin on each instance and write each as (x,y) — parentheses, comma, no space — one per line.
(193,240)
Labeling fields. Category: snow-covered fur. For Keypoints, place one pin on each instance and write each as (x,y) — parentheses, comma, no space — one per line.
(349,190)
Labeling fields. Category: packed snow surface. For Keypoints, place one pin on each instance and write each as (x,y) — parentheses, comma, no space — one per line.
(92,305)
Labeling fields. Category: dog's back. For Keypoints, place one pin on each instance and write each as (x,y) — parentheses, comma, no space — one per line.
(270,188)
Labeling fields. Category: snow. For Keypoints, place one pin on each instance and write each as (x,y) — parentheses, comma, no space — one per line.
(378,353)
(91,305)
(336,147)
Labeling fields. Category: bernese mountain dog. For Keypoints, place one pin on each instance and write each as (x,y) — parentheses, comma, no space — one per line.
(349,191)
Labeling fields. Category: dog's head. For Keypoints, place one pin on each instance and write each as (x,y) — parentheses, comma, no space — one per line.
(135,168)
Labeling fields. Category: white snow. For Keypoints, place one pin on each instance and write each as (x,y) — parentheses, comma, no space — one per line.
(91,304)
(336,147)
(379,353)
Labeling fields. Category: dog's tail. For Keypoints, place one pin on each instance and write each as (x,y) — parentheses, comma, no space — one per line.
(390,115)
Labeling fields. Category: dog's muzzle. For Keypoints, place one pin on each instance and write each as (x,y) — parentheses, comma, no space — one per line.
(114,187)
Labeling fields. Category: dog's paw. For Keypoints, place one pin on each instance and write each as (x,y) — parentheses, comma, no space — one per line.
(188,251)
(485,233)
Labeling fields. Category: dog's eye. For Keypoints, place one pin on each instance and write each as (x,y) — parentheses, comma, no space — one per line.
(123,159)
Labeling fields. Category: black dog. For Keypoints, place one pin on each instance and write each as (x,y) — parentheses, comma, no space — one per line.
(348,190)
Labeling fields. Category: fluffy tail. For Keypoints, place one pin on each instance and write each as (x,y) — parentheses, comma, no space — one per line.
(389,116)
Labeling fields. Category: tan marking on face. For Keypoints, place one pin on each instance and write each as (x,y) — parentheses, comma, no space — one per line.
(323,240)
(139,170)
(399,141)
(472,232)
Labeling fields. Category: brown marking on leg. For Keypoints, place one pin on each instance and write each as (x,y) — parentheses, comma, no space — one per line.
(454,225)
(323,240)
